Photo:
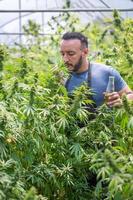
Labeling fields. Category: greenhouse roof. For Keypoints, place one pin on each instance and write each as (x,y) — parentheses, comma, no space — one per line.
(12,20)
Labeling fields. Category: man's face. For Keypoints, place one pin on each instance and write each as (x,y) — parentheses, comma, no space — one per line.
(72,53)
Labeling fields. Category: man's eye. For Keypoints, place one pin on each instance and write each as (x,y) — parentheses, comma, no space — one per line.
(68,54)
(71,53)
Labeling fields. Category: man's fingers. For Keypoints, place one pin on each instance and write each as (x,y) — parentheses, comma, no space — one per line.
(115,102)
(113,99)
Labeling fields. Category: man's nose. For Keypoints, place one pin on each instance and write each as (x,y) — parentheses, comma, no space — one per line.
(65,58)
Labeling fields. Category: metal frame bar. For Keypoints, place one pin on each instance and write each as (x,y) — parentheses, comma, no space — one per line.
(15,18)
(20,22)
(105,4)
(91,5)
(20,11)
(70,10)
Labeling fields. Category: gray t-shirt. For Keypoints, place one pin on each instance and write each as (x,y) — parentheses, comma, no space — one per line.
(99,79)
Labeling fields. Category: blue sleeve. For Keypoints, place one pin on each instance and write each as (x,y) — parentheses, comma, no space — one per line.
(119,81)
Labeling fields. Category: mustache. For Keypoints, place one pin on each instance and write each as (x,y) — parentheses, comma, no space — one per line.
(66,63)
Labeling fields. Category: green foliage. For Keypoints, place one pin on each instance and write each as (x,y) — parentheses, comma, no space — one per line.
(51,147)
(32,28)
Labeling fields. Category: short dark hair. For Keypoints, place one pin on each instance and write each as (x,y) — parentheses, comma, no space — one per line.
(76,35)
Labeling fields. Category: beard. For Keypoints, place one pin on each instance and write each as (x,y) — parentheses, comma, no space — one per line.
(78,65)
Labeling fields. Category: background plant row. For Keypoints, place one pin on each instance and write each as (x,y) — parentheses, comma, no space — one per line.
(49,147)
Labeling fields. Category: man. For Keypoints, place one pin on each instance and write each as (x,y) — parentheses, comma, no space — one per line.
(74,51)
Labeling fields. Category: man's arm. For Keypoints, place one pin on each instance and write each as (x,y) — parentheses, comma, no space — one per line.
(115,98)
(126,90)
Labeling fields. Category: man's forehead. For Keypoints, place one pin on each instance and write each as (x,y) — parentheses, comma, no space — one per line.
(71,43)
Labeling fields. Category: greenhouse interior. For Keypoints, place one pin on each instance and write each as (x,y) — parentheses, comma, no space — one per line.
(66,100)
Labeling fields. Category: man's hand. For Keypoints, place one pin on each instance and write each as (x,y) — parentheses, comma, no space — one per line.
(113,99)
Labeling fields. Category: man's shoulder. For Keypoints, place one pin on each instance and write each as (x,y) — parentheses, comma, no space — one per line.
(100,66)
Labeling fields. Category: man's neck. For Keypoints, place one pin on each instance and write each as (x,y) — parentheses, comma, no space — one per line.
(84,67)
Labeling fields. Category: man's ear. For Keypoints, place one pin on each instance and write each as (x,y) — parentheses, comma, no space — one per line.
(85,51)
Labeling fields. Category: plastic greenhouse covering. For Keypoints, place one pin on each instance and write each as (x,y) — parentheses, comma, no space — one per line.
(11,23)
